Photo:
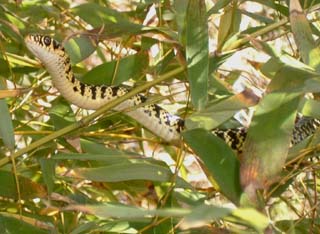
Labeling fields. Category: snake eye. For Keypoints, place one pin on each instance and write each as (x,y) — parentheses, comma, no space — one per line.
(47,40)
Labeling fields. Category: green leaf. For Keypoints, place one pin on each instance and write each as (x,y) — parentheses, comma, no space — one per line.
(180,7)
(6,127)
(268,140)
(274,5)
(294,80)
(108,227)
(110,158)
(101,14)
(28,188)
(230,23)
(189,197)
(222,164)
(311,108)
(4,67)
(85,228)
(129,171)
(252,218)
(16,225)
(79,48)
(302,32)
(203,215)
(299,226)
(116,72)
(197,52)
(290,75)
(216,61)
(111,21)
(96,148)
(48,172)
(61,113)
(218,6)
(217,113)
(108,210)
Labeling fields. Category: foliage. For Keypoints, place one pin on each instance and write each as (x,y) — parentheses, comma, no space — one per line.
(66,170)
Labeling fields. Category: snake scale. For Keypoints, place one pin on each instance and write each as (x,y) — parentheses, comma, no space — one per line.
(159,121)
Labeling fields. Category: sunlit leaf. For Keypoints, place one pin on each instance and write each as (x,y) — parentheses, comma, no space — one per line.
(79,48)
(118,71)
(113,23)
(311,108)
(252,218)
(229,25)
(217,113)
(302,32)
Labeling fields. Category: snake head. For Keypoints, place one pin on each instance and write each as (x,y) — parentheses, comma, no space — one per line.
(43,41)
(43,47)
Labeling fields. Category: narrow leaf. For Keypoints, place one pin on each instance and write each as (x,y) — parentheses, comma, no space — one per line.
(28,188)
(108,210)
(48,172)
(6,127)
(95,148)
(79,48)
(61,114)
(252,218)
(222,164)
(230,22)
(197,52)
(218,6)
(127,172)
(311,108)
(302,32)
(268,140)
(217,113)
(116,72)
(21,224)
(203,215)
(111,22)
(180,7)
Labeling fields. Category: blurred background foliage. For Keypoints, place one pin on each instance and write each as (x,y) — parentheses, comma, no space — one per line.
(67,170)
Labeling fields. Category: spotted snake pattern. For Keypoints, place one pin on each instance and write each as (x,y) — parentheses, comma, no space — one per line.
(159,121)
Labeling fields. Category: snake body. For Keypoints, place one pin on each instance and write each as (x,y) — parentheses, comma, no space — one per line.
(57,62)
(159,121)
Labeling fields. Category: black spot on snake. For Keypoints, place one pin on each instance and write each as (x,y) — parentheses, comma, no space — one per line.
(93,92)
(115,90)
(82,88)
(103,91)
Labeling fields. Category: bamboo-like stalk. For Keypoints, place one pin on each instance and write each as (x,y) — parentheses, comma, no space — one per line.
(240,42)
(86,120)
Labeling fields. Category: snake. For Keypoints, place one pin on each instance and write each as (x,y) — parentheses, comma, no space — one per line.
(159,121)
